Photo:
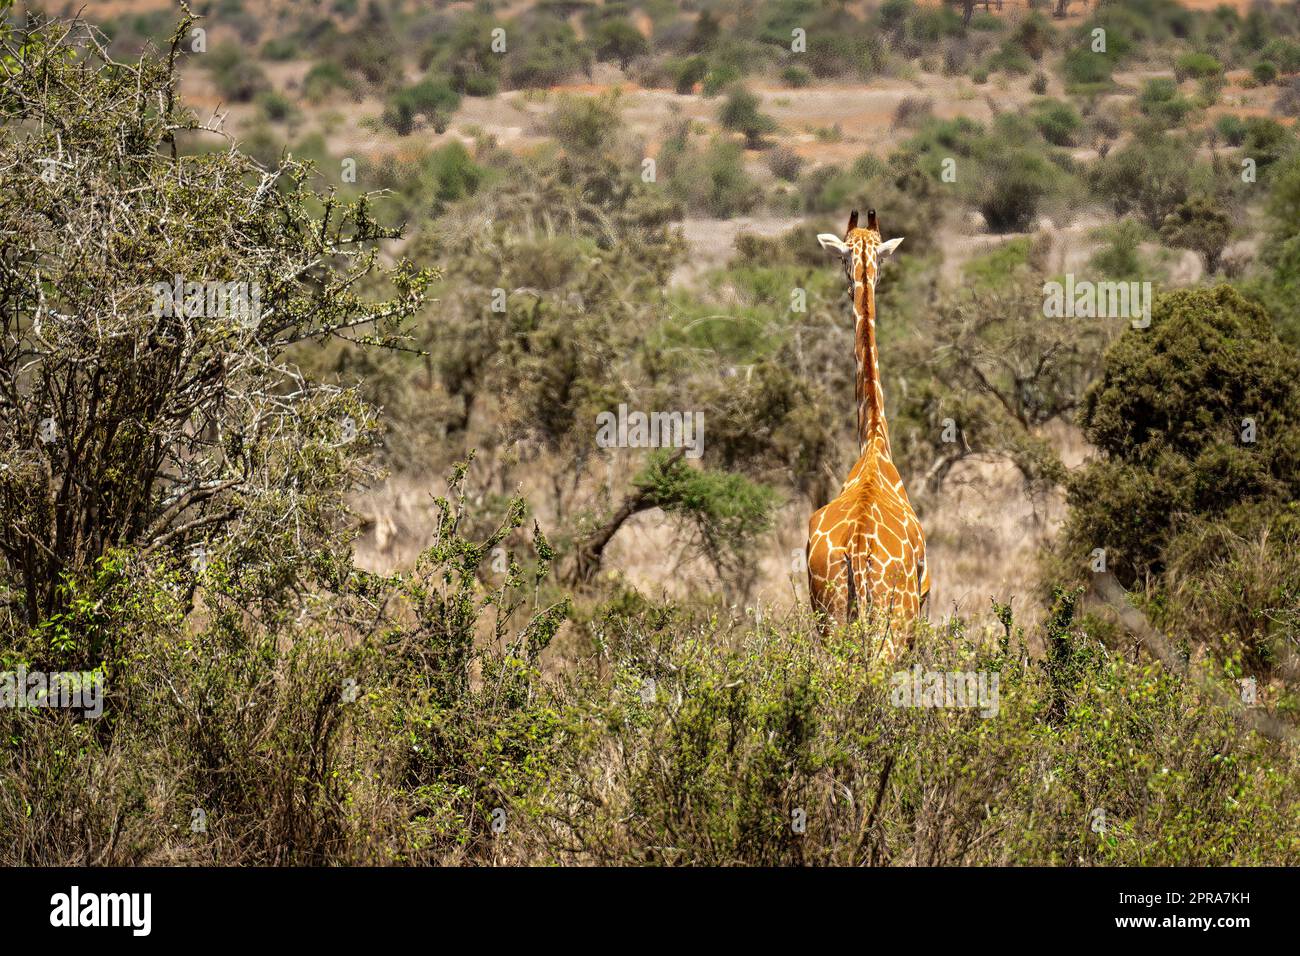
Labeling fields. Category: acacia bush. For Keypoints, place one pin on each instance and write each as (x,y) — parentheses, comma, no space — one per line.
(1149,176)
(141,420)
(987,361)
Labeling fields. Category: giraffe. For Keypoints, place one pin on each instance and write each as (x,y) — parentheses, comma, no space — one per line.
(866,549)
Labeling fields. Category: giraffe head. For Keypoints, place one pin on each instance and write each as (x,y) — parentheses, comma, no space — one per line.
(861,250)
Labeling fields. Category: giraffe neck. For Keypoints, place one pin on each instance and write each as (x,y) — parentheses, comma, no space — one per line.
(872,429)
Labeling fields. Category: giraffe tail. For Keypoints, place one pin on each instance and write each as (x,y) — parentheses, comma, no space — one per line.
(851,607)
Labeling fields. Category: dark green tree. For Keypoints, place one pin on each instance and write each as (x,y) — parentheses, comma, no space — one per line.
(1200,224)
(1194,416)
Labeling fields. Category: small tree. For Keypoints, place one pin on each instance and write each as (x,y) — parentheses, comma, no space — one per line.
(1201,225)
(989,361)
(1150,176)
(739,112)
(619,39)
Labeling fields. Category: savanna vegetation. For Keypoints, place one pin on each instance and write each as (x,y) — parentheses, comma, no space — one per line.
(302,667)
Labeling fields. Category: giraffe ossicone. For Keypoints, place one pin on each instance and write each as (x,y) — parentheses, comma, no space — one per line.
(866,549)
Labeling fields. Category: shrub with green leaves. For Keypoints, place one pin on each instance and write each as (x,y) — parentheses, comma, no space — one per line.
(618,39)
(1011,190)
(1202,225)
(586,125)
(1232,128)
(761,744)
(1266,141)
(1264,72)
(465,56)
(1194,416)
(1284,52)
(323,79)
(710,177)
(276,107)
(1163,104)
(431,98)
(235,76)
(1149,176)
(550,53)
(1059,123)
(1085,71)
(1279,286)
(688,72)
(796,77)
(740,112)
(148,303)
(1197,65)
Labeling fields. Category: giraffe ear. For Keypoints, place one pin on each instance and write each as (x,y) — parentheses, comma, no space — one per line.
(886,248)
(831,241)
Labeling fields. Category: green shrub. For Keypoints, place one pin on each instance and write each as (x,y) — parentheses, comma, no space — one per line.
(439,178)
(1119,258)
(235,76)
(1264,72)
(742,749)
(1284,52)
(371,56)
(585,125)
(690,71)
(465,56)
(1288,101)
(740,113)
(720,78)
(1266,141)
(1161,101)
(323,79)
(1059,123)
(278,49)
(130,391)
(618,39)
(1197,66)
(432,98)
(1149,176)
(548,54)
(712,179)
(1200,224)
(784,163)
(1231,127)
(796,77)
(1167,416)
(275,106)
(1083,69)
(1012,189)
(1280,284)
(1231,587)
(1011,58)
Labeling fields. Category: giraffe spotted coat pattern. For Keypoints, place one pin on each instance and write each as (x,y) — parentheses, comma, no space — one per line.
(866,549)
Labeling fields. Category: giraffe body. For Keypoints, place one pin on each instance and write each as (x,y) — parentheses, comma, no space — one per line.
(866,548)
